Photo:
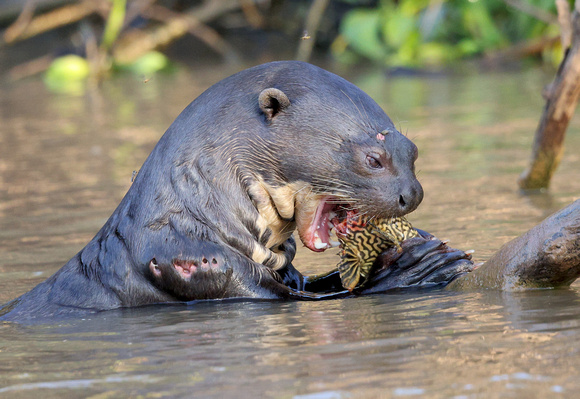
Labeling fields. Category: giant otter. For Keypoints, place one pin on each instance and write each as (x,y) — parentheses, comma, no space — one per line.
(270,150)
(267,151)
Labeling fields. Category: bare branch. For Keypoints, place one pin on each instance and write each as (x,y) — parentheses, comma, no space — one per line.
(53,19)
(312,21)
(135,43)
(533,11)
(195,27)
(565,21)
(561,103)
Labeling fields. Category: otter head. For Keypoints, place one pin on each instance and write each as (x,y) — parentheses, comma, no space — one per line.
(331,149)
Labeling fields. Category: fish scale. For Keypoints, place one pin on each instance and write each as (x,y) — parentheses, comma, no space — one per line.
(364,241)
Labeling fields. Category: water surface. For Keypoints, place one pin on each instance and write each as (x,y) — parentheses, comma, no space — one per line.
(66,161)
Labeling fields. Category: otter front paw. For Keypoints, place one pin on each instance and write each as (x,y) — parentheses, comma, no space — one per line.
(190,277)
(424,261)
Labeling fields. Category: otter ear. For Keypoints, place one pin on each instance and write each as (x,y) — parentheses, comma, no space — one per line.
(272,101)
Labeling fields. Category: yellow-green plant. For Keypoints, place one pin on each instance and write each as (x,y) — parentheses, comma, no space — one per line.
(417,33)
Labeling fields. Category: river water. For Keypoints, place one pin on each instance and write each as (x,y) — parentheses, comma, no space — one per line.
(67,160)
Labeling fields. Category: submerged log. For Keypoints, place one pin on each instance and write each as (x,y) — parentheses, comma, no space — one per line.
(546,256)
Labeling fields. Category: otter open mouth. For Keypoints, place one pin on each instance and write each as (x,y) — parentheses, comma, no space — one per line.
(327,217)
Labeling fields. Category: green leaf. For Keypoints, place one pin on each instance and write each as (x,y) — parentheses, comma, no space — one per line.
(361,28)
(480,24)
(115,22)
(398,27)
(437,54)
(468,47)
(147,64)
(406,54)
(67,74)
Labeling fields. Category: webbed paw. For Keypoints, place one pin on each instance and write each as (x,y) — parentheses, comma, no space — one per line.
(424,261)
(205,274)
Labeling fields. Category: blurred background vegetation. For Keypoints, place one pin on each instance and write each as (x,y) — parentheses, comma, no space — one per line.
(80,40)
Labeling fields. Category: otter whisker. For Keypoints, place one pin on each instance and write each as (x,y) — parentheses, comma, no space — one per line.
(342,195)
(365,110)
(330,137)
(355,122)
(324,185)
(299,190)
(353,103)
(288,228)
(324,178)
(337,184)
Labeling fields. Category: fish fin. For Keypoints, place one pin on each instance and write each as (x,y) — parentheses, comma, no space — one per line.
(349,272)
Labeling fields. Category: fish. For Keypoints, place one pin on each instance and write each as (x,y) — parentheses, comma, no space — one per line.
(362,239)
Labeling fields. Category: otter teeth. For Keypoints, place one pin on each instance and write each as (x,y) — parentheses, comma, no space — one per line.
(318,244)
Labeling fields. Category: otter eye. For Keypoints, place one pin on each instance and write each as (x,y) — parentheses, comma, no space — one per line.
(373,162)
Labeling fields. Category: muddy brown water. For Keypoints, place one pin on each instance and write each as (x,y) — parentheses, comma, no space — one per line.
(66,161)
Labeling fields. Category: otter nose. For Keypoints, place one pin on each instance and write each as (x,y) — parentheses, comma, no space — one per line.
(410,197)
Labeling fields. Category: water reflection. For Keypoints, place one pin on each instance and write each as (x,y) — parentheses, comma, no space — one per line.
(65,163)
(375,345)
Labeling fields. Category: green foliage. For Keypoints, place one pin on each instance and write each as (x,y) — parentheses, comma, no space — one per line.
(148,64)
(67,74)
(419,33)
(114,23)
(359,27)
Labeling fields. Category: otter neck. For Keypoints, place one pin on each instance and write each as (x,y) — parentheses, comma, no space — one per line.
(275,221)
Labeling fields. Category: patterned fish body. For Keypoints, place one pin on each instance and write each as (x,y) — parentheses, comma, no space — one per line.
(363,240)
